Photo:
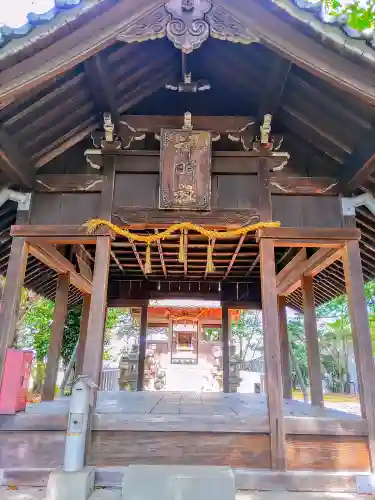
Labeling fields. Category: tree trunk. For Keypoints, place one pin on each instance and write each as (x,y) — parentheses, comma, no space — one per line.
(299,375)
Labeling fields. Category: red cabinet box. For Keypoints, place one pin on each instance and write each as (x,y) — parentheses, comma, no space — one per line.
(15,385)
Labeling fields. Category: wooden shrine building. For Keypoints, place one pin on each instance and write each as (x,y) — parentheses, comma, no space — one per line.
(138,115)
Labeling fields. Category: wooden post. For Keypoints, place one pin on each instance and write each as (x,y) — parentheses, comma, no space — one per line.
(312,344)
(57,331)
(284,346)
(12,295)
(83,333)
(264,192)
(142,348)
(272,356)
(361,338)
(225,341)
(92,361)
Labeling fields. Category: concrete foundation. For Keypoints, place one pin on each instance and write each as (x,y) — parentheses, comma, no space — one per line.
(142,482)
(70,485)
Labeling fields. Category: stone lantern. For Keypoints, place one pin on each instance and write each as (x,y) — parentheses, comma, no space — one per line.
(234,369)
(129,369)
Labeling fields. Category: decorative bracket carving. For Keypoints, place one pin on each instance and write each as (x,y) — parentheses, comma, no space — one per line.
(188,24)
(109,140)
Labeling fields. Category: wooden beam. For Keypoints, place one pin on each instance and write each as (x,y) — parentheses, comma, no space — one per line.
(12,295)
(50,256)
(288,268)
(360,164)
(92,362)
(220,124)
(225,346)
(274,87)
(14,164)
(234,256)
(83,333)
(161,256)
(284,346)
(98,76)
(59,234)
(272,356)
(305,234)
(57,331)
(321,259)
(361,338)
(311,332)
(142,348)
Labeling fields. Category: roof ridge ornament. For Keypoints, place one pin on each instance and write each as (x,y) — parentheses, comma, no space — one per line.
(188,24)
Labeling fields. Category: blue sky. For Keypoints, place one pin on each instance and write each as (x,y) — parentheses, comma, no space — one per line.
(15,11)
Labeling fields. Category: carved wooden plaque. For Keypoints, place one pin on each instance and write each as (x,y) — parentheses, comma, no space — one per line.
(185,170)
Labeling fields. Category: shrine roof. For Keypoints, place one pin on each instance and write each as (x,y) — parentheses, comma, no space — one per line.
(322,101)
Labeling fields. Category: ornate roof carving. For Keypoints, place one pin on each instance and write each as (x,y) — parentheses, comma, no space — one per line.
(187,24)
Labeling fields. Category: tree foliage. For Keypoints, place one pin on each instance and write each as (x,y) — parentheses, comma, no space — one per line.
(358,14)
(248,334)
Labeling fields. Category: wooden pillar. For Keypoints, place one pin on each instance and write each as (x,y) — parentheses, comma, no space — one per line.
(284,346)
(272,356)
(142,348)
(361,338)
(83,333)
(312,344)
(92,361)
(225,347)
(12,295)
(264,192)
(57,332)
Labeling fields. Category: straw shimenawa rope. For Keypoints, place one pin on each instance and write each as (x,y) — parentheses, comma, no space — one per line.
(93,224)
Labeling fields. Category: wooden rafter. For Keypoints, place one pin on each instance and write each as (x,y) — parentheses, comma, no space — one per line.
(50,256)
(98,76)
(74,48)
(119,265)
(255,263)
(13,163)
(234,256)
(289,278)
(303,50)
(360,164)
(274,87)
(137,256)
(161,255)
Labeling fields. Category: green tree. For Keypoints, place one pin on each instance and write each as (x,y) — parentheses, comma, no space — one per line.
(296,333)
(359,14)
(248,333)
(71,334)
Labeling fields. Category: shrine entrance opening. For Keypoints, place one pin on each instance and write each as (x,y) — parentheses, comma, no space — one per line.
(184,342)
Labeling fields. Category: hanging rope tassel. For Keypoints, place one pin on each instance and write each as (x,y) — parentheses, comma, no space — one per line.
(210,267)
(148,268)
(181,252)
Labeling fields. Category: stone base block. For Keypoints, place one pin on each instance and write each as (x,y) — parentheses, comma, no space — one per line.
(143,482)
(70,485)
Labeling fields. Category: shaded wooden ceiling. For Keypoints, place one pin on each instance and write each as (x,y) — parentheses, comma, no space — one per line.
(327,131)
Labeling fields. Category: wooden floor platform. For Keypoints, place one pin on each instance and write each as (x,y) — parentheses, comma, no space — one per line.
(187,429)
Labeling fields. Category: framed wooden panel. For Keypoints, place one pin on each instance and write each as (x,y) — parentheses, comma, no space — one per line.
(185,170)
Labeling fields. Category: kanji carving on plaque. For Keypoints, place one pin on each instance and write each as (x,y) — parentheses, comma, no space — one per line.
(185,181)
